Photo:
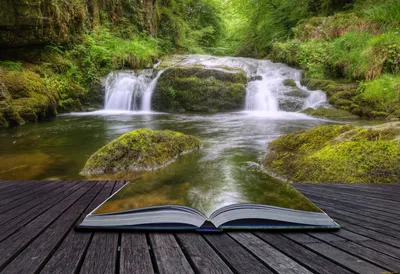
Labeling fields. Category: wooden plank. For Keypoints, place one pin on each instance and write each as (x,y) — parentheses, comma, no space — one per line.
(360,211)
(385,188)
(41,189)
(15,222)
(235,255)
(354,200)
(355,196)
(103,244)
(68,257)
(17,207)
(203,257)
(101,260)
(369,192)
(343,258)
(24,187)
(371,233)
(377,258)
(269,255)
(9,184)
(168,255)
(303,256)
(13,184)
(135,255)
(33,257)
(15,243)
(318,199)
(365,219)
(368,242)
(367,224)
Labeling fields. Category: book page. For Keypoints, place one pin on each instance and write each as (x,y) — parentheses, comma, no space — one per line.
(206,187)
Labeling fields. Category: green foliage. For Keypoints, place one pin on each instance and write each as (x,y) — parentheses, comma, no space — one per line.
(338,154)
(141,149)
(189,25)
(10,66)
(382,95)
(384,12)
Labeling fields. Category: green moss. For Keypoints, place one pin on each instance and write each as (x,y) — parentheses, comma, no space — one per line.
(10,66)
(329,113)
(9,116)
(338,154)
(199,90)
(289,83)
(141,149)
(31,99)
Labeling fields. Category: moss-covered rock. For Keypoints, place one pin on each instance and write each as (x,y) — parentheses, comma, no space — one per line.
(338,154)
(198,89)
(29,98)
(141,149)
(329,113)
(296,92)
(36,23)
(290,104)
(289,83)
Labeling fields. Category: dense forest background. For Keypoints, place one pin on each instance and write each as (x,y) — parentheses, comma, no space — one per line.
(54,52)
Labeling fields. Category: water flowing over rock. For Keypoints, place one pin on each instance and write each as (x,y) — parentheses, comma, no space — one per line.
(203,83)
(130,90)
(266,90)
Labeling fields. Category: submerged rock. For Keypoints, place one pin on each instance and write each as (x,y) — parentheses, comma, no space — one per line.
(329,113)
(141,149)
(338,154)
(199,89)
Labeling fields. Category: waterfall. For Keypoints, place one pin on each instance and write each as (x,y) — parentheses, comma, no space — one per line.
(316,99)
(265,91)
(146,101)
(130,90)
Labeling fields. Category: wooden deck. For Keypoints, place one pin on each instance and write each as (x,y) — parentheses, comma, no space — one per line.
(37,236)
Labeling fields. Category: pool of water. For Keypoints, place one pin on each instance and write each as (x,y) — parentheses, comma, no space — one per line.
(59,148)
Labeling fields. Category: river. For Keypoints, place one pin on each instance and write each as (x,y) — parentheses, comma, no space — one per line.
(233,143)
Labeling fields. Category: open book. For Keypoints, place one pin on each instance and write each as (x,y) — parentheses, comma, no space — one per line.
(157,206)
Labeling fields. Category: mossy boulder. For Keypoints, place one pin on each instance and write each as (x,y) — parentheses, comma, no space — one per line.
(289,83)
(198,89)
(25,24)
(29,97)
(332,113)
(290,104)
(140,150)
(349,97)
(338,154)
(297,92)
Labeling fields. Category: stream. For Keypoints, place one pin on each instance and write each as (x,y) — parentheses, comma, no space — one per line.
(233,143)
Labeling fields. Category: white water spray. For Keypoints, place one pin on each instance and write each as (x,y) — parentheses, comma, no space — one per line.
(265,90)
(130,90)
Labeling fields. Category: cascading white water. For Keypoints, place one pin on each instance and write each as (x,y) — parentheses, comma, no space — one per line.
(130,90)
(265,90)
(146,101)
